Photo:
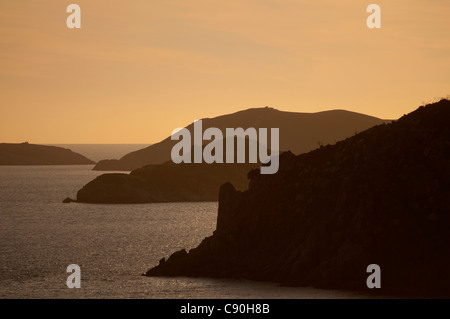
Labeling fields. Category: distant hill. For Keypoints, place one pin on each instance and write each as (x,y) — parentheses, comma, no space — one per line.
(168,182)
(33,154)
(299,133)
(380,197)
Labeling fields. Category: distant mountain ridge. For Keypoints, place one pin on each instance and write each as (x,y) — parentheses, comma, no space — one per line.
(33,154)
(299,133)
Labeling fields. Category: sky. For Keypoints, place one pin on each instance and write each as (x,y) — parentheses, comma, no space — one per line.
(138,69)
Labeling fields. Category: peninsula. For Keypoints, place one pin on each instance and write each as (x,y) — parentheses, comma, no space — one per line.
(33,154)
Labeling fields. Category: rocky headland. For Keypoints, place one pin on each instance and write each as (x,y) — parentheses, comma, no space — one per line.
(33,154)
(380,197)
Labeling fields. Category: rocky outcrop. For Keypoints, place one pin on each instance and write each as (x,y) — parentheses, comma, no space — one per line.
(165,183)
(32,154)
(68,200)
(114,188)
(381,197)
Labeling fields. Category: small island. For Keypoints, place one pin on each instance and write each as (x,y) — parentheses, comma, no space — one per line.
(33,154)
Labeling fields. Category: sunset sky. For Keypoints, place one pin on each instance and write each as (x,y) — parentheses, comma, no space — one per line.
(138,69)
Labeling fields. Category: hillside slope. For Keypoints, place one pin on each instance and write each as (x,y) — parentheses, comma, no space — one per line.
(299,133)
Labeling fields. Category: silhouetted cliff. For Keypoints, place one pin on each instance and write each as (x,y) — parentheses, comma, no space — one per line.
(32,154)
(380,197)
(299,132)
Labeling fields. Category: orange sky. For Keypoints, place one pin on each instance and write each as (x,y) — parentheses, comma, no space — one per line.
(138,69)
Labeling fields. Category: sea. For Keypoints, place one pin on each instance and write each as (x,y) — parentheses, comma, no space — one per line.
(112,244)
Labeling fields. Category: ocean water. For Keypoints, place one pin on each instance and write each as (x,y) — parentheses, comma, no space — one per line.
(97,152)
(113,244)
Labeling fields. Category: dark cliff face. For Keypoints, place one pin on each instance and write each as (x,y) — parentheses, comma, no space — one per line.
(381,197)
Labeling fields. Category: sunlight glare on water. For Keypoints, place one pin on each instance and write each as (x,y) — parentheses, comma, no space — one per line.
(113,244)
